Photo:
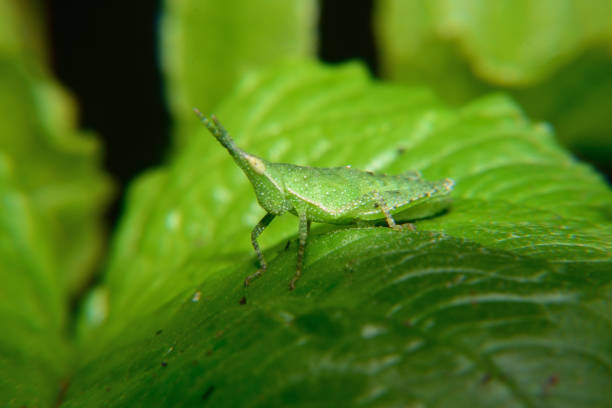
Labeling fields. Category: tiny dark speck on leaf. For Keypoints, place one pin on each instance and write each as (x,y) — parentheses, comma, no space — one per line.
(209,353)
(164,363)
(287,245)
(486,378)
(208,392)
(158,332)
(243,300)
(401,150)
(551,382)
(62,392)
(474,302)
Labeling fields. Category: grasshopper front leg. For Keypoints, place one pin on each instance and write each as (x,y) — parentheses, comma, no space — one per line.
(303,231)
(261,225)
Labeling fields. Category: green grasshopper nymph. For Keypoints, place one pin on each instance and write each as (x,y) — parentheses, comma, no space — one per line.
(337,195)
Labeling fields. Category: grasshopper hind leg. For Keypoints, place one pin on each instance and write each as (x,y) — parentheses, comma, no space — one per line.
(380,202)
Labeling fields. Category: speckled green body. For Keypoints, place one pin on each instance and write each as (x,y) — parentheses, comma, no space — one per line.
(337,195)
(343,195)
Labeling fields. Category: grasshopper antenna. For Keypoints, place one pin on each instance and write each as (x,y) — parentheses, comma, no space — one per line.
(209,125)
(216,128)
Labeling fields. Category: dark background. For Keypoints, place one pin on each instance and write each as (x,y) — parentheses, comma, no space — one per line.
(105,53)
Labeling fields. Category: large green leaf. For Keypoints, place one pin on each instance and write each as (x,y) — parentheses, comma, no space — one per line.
(207,46)
(553,56)
(502,301)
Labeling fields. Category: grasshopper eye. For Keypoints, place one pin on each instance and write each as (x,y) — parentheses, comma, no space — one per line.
(256,164)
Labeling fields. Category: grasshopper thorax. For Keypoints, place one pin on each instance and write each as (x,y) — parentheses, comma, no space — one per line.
(268,185)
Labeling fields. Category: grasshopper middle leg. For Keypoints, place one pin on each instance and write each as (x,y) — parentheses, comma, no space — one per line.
(304,230)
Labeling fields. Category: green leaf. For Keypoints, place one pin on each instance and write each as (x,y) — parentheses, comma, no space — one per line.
(208,45)
(55,165)
(502,301)
(552,56)
(52,194)
(576,100)
(513,43)
(21,32)
(34,357)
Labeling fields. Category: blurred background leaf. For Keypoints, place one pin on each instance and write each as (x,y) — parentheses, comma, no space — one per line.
(52,194)
(21,30)
(552,56)
(55,165)
(494,302)
(207,46)
(34,351)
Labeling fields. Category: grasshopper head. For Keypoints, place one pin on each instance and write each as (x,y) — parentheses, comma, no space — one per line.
(267,184)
